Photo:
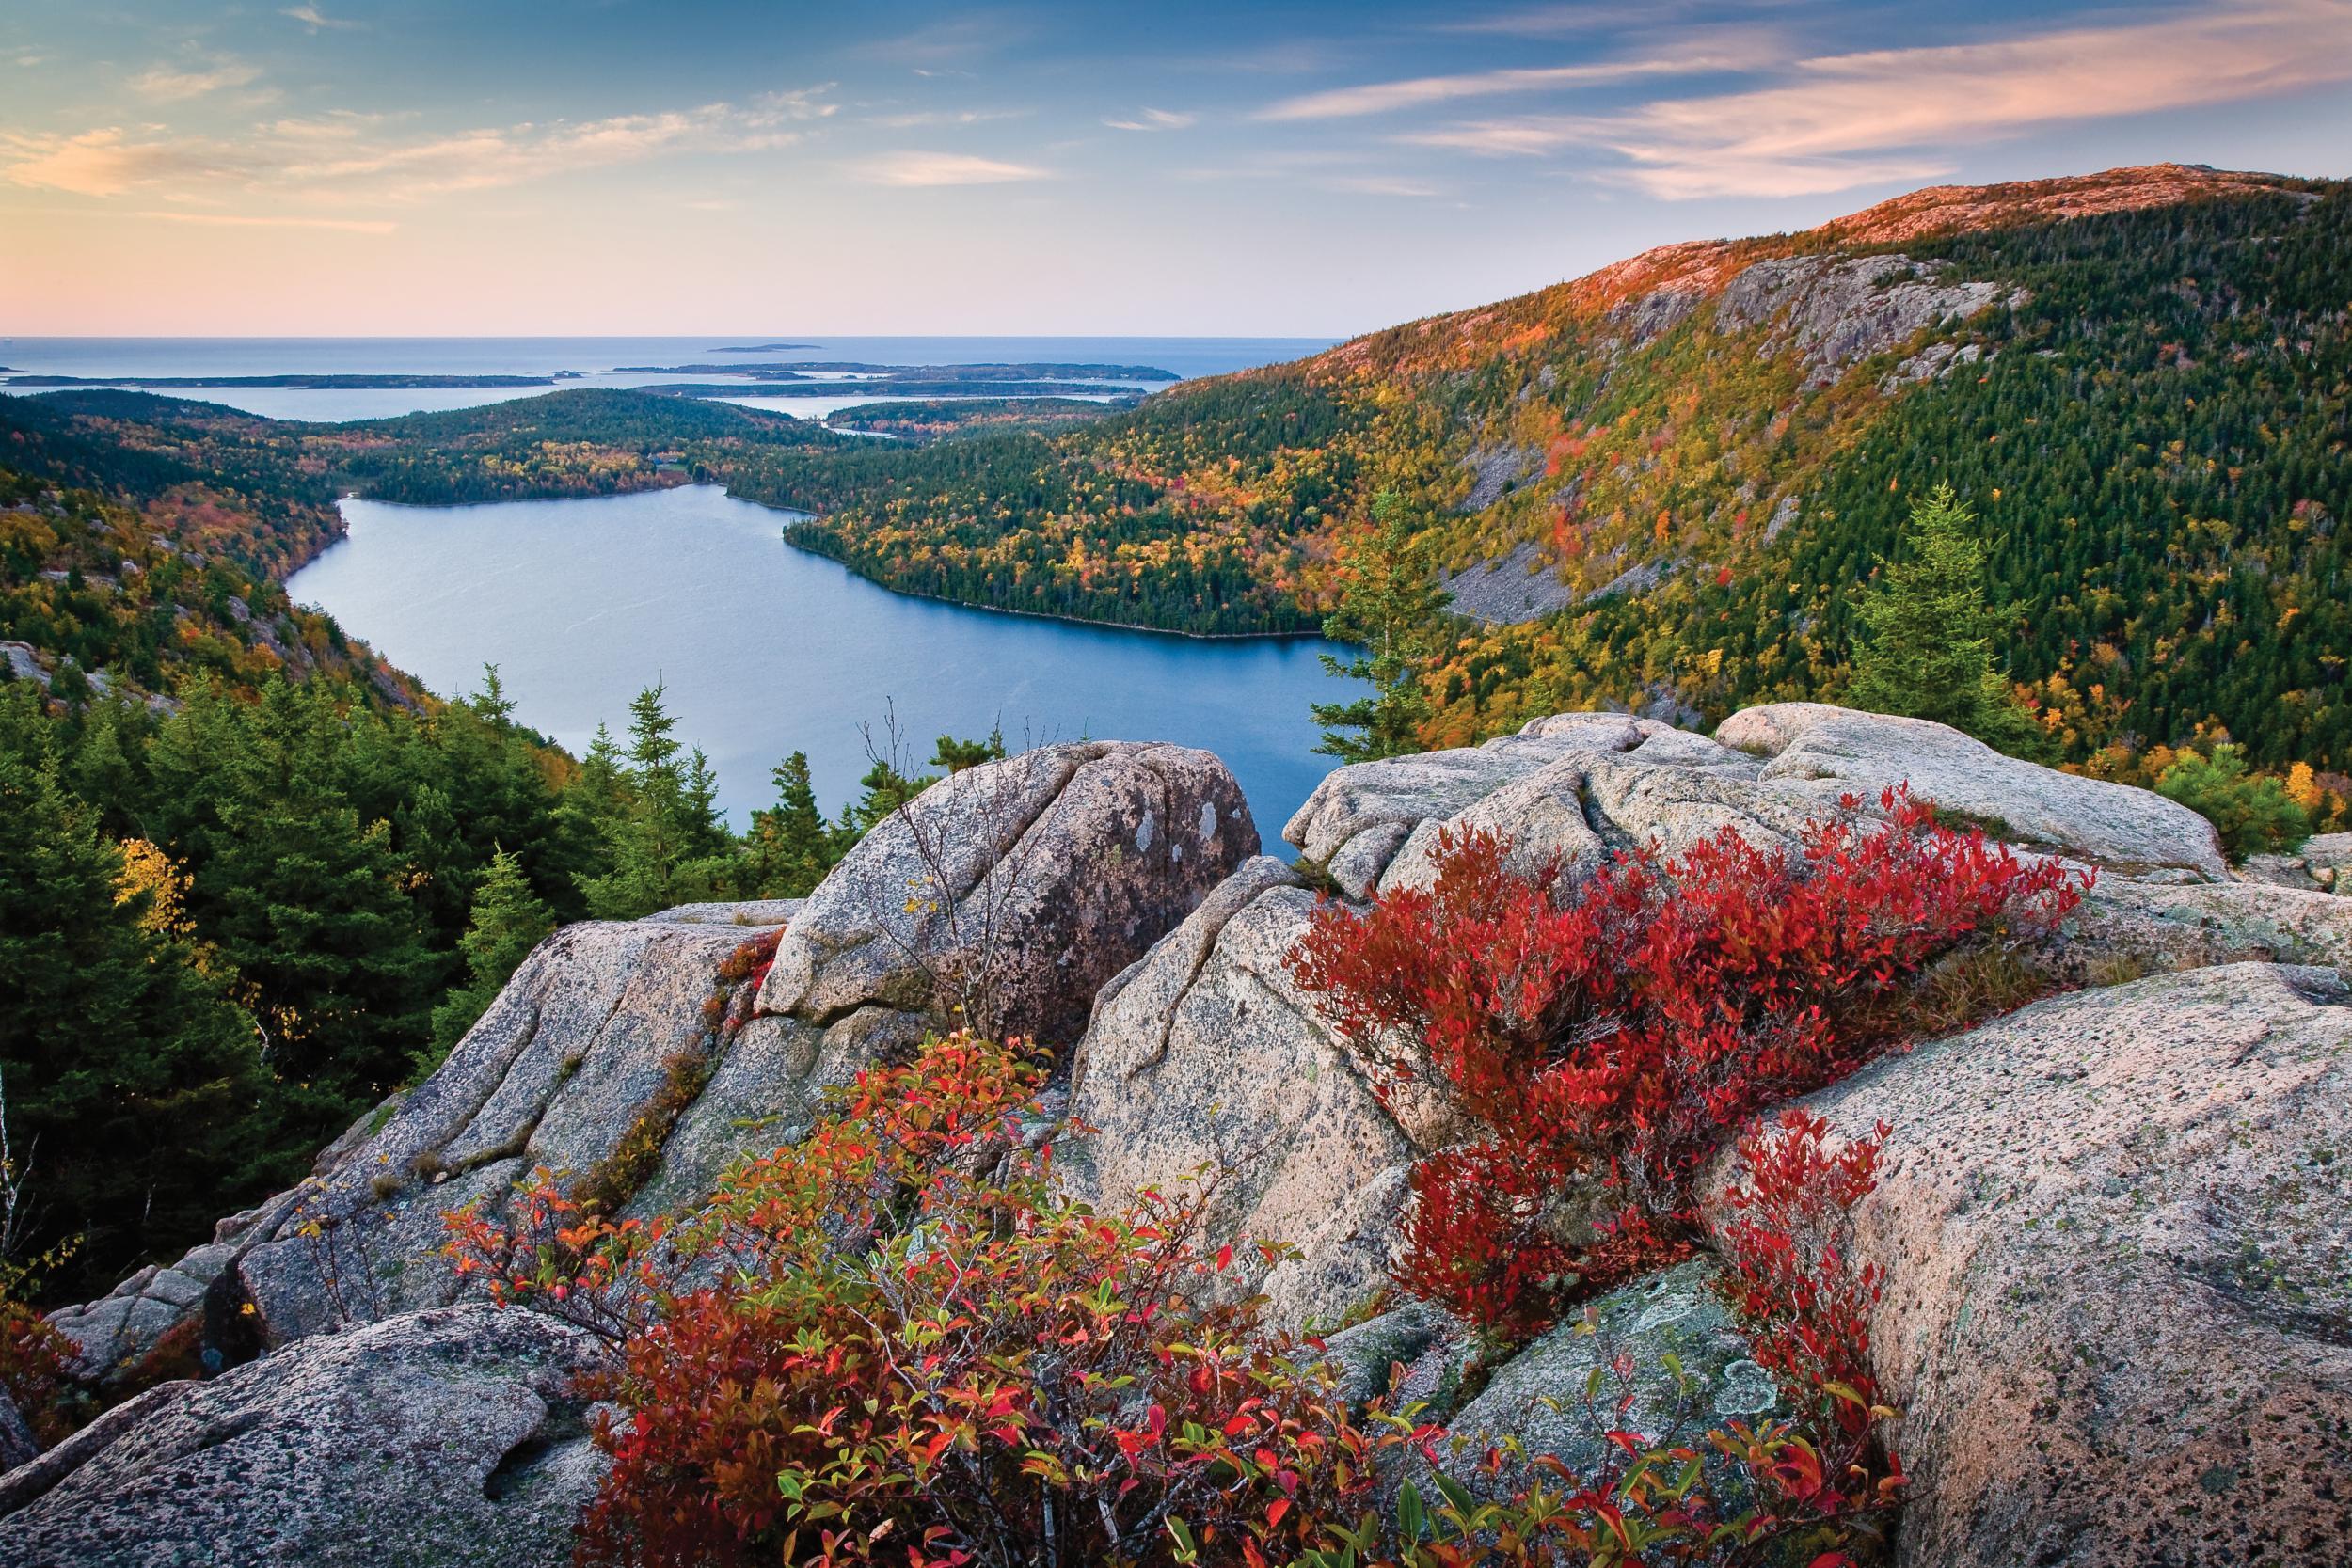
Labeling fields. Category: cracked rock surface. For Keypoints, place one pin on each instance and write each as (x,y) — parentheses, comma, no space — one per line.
(451,1436)
(1028,882)
(2117,1228)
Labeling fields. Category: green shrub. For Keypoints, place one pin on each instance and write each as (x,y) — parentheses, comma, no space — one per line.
(2253,812)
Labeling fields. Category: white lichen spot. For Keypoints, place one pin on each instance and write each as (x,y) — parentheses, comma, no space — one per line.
(1670,1309)
(1143,831)
(1748,1391)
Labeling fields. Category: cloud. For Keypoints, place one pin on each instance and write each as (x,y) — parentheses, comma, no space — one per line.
(165,86)
(101,163)
(1380,98)
(944,168)
(1841,120)
(1378,184)
(1554,21)
(1153,120)
(351,157)
(314,19)
(944,48)
(229,220)
(914,119)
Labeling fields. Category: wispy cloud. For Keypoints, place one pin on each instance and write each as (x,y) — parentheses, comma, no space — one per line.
(314,19)
(1378,184)
(916,117)
(229,220)
(477,160)
(352,157)
(103,162)
(1380,97)
(944,168)
(1557,20)
(1153,120)
(1841,120)
(946,48)
(166,85)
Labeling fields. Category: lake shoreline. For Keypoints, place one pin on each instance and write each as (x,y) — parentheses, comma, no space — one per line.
(767,648)
(847,566)
(1048,615)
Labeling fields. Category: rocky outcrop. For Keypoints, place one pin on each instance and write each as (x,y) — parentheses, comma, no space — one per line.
(1824,752)
(757,912)
(1836,311)
(2321,863)
(2118,1234)
(2113,1224)
(1019,886)
(584,1041)
(1494,471)
(1673,1318)
(1523,585)
(1206,1055)
(1041,876)
(453,1437)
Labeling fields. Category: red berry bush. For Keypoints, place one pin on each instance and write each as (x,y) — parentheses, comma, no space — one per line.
(894,1344)
(1609,1033)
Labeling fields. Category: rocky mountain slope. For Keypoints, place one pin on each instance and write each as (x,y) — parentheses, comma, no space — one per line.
(1655,487)
(2116,1206)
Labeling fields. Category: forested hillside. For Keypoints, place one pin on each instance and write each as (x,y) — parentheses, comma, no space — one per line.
(251,879)
(1666,479)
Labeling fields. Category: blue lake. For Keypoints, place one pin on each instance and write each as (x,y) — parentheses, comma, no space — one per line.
(767,650)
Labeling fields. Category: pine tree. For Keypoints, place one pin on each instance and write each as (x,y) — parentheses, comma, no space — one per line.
(1391,610)
(1927,640)
(668,843)
(791,844)
(134,1101)
(885,791)
(491,702)
(508,920)
(956,754)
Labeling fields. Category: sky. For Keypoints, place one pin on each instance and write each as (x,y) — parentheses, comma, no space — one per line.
(506,167)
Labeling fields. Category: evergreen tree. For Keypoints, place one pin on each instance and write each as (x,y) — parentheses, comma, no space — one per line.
(491,702)
(791,844)
(309,901)
(668,844)
(2252,813)
(508,920)
(1925,647)
(1391,611)
(885,789)
(133,1104)
(956,754)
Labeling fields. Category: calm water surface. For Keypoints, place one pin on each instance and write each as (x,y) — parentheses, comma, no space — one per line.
(767,650)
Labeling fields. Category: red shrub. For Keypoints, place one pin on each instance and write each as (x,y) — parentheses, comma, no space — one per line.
(1807,1309)
(1805,1304)
(918,1354)
(36,1369)
(1610,1032)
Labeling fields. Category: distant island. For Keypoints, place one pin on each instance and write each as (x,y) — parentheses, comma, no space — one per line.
(933,419)
(804,369)
(316,383)
(760,348)
(911,387)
